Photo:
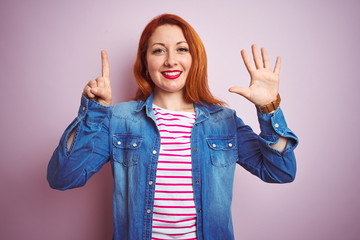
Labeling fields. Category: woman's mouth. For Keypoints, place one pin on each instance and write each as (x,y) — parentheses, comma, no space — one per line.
(171,74)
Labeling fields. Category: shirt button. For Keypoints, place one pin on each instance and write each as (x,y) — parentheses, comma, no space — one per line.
(195,149)
(200,210)
(196,124)
(214,145)
(230,144)
(84,108)
(118,143)
(134,144)
(197,181)
(154,152)
(276,125)
(151,182)
(148,211)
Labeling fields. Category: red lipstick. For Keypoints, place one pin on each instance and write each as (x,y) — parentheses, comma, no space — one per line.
(173,74)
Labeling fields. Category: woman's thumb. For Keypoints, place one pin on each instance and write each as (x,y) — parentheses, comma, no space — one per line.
(241,91)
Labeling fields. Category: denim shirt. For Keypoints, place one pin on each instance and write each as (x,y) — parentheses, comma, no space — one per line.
(126,135)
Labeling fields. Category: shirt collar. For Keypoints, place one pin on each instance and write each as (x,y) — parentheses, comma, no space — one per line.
(202,110)
(147,104)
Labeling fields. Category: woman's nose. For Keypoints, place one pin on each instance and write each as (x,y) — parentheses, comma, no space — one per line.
(170,59)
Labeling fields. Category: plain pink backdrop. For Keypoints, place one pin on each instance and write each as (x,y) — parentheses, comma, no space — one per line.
(50,49)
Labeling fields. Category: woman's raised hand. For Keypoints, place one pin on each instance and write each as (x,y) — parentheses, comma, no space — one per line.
(264,83)
(100,89)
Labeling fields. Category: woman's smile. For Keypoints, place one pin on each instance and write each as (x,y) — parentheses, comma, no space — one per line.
(174,74)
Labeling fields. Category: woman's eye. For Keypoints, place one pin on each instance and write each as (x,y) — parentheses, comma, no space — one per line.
(183,49)
(158,51)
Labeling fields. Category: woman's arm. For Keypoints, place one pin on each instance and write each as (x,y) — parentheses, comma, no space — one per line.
(264,84)
(84,146)
(98,90)
(83,149)
(280,145)
(257,153)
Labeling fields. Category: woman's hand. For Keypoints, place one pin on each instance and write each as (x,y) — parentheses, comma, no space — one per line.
(100,89)
(264,84)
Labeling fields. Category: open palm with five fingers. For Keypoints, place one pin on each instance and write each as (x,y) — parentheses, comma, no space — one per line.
(264,84)
(99,89)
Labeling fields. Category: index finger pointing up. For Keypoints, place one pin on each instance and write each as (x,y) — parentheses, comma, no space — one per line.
(105,65)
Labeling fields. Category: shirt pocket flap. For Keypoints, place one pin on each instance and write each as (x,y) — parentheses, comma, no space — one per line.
(224,143)
(127,141)
(223,150)
(126,149)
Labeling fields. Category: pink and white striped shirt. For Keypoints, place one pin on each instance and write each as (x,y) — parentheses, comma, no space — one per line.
(174,214)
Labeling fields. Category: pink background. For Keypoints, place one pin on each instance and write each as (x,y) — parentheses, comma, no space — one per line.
(50,49)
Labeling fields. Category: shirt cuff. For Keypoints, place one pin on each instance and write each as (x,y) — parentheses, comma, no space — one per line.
(272,125)
(92,111)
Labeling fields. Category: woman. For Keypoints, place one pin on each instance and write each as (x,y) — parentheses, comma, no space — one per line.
(173,150)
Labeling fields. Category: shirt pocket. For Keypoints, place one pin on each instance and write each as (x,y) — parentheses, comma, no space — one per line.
(126,149)
(223,150)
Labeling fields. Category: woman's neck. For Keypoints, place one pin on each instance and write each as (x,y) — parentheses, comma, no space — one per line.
(172,101)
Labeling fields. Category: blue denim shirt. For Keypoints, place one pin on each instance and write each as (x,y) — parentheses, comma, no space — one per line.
(126,135)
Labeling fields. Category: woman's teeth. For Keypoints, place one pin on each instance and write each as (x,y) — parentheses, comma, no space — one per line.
(171,73)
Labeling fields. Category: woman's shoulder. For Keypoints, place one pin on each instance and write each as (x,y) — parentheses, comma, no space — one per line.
(126,108)
(219,111)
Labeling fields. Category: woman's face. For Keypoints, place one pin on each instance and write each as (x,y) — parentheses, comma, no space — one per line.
(168,59)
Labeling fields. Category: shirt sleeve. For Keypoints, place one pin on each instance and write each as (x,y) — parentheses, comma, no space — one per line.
(255,151)
(70,168)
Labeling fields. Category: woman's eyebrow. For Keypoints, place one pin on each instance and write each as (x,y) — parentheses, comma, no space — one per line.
(162,44)
(181,42)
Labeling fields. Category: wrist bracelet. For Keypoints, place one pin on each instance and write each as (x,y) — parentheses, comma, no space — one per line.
(271,106)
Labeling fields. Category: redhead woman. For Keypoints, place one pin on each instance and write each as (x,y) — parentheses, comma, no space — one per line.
(173,150)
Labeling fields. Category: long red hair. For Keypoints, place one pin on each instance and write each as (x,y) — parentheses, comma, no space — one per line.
(196,86)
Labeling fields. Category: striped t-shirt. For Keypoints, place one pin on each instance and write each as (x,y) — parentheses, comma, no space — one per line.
(174,214)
